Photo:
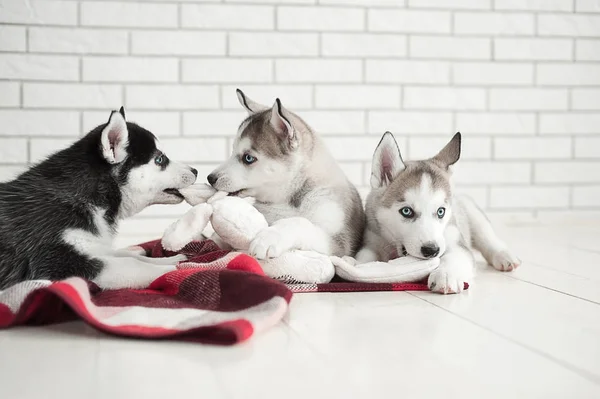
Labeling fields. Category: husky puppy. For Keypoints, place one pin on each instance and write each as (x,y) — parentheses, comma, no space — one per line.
(299,188)
(58,219)
(411,210)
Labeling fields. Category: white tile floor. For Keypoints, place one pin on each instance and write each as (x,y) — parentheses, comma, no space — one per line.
(534,333)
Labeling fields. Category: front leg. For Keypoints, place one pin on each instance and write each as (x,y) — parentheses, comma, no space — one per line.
(169,260)
(287,234)
(128,272)
(455,269)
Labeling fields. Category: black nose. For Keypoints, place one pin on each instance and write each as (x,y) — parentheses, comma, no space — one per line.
(430,250)
(212,179)
(195,172)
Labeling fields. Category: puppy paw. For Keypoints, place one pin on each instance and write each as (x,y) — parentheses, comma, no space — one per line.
(269,243)
(176,237)
(505,261)
(447,281)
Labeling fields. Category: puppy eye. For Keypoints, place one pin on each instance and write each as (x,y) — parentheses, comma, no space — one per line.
(161,160)
(441,212)
(248,159)
(407,212)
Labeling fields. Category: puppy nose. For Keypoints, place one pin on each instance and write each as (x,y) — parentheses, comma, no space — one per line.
(195,172)
(429,250)
(212,179)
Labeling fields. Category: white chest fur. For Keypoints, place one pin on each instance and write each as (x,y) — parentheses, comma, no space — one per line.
(90,244)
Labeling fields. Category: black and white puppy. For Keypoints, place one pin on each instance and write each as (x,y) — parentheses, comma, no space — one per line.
(58,219)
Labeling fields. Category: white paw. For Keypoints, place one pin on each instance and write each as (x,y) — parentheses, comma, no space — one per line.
(448,281)
(269,243)
(176,237)
(505,261)
(176,259)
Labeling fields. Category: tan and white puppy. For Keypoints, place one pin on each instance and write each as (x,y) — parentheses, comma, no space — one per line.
(411,210)
(299,188)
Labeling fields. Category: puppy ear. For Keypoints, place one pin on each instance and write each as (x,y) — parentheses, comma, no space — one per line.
(115,138)
(251,106)
(387,161)
(282,124)
(450,154)
(122,111)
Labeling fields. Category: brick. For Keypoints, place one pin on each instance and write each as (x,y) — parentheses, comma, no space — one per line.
(169,97)
(13,150)
(128,14)
(455,5)
(454,48)
(354,171)
(139,69)
(568,74)
(227,70)
(391,3)
(528,99)
(178,43)
(407,122)
(206,123)
(293,96)
(532,49)
(534,5)
(39,123)
(190,150)
(587,6)
(477,194)
(396,71)
(39,12)
(8,173)
(504,123)
(318,71)
(492,74)
(409,21)
(39,67)
(472,148)
(567,172)
(480,172)
(278,2)
(532,148)
(529,197)
(568,25)
(585,98)
(320,18)
(587,50)
(363,45)
(586,196)
(355,148)
(273,44)
(61,95)
(335,122)
(570,123)
(40,149)
(587,147)
(357,97)
(77,40)
(444,98)
(13,38)
(227,16)
(9,94)
(494,23)
(162,124)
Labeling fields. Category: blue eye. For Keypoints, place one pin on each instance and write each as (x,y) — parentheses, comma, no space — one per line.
(441,212)
(248,159)
(407,212)
(161,160)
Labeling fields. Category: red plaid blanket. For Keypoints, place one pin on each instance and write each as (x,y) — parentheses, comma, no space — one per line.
(215,296)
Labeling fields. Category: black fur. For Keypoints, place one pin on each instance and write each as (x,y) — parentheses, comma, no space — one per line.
(61,193)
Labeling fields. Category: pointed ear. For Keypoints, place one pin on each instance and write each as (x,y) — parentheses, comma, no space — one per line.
(115,138)
(450,154)
(281,123)
(387,161)
(122,111)
(251,106)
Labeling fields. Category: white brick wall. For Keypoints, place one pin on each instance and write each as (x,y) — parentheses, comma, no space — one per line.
(519,78)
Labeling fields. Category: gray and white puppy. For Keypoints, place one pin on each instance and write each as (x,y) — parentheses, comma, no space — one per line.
(411,210)
(298,186)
